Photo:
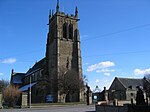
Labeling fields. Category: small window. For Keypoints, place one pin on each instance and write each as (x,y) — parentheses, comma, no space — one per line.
(37,92)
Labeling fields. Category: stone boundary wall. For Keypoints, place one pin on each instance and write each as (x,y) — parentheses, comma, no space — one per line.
(139,108)
(125,108)
(109,108)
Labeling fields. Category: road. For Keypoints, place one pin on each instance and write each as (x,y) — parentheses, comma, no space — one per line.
(55,108)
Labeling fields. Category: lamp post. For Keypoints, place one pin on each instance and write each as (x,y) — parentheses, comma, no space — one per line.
(87,94)
(30,93)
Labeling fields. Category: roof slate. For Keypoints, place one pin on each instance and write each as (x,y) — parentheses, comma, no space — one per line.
(39,65)
(128,82)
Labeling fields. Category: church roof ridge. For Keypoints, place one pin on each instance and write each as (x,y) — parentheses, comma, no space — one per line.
(128,78)
(37,66)
(18,73)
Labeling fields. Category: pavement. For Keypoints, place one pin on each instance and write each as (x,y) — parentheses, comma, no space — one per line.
(55,108)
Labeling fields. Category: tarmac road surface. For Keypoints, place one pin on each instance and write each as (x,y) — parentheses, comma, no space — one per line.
(55,108)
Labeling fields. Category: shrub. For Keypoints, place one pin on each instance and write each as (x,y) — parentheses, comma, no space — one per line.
(11,95)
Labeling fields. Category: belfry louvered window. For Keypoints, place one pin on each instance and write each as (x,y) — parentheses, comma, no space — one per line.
(71,31)
(65,30)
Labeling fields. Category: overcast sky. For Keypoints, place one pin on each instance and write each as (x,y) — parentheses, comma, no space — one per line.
(115,36)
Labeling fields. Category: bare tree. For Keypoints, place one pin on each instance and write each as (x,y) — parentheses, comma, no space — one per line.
(11,94)
(69,83)
(43,87)
(3,84)
(146,84)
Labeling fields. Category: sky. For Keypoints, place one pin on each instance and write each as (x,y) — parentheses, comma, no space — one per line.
(115,36)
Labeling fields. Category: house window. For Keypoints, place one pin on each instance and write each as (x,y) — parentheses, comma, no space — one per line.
(37,92)
(36,75)
(40,74)
(25,80)
(32,77)
(130,87)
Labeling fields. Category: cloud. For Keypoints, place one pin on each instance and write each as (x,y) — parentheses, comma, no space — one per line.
(133,77)
(107,74)
(142,71)
(100,65)
(1,74)
(85,63)
(105,70)
(124,73)
(97,81)
(105,83)
(84,36)
(9,60)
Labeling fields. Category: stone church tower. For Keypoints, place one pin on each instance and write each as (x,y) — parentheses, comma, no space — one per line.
(63,48)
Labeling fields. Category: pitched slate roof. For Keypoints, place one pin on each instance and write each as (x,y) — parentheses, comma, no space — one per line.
(17,78)
(131,82)
(39,65)
(147,78)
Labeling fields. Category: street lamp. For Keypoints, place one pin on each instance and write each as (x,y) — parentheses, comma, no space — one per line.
(30,93)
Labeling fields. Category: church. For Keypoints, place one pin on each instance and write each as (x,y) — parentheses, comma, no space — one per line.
(63,53)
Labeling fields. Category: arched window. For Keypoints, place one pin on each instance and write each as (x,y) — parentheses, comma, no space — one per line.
(65,30)
(76,33)
(71,31)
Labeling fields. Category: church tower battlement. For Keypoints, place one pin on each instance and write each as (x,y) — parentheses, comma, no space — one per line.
(63,47)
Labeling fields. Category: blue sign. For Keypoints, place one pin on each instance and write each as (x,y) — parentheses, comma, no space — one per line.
(49,98)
